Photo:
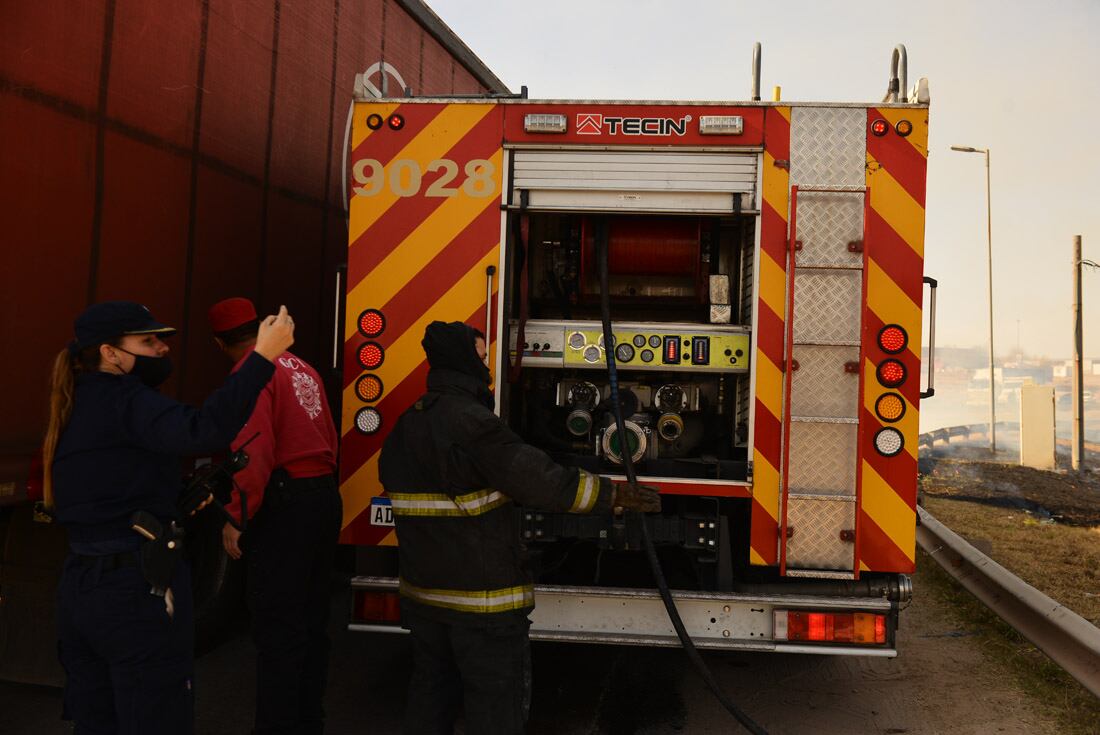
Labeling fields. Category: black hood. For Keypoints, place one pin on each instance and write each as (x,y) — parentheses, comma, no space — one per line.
(450,346)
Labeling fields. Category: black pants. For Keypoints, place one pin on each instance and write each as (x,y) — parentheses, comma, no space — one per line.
(289,547)
(128,664)
(486,669)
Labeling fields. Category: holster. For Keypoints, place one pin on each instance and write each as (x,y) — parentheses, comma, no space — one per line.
(161,551)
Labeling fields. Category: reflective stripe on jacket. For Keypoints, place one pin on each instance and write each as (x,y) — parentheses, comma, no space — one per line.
(455,475)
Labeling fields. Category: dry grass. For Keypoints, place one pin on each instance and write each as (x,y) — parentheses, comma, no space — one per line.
(1060,561)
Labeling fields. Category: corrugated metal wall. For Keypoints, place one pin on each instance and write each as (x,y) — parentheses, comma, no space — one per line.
(174,154)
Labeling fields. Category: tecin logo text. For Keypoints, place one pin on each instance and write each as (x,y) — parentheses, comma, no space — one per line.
(595,124)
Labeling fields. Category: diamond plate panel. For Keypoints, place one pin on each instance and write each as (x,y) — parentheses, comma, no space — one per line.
(816,542)
(821,386)
(823,458)
(828,146)
(826,222)
(826,305)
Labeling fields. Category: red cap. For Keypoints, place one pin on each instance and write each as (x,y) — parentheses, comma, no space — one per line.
(230,314)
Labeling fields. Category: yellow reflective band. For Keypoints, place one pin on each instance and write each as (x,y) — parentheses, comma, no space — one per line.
(439,504)
(476,601)
(588,489)
(481,501)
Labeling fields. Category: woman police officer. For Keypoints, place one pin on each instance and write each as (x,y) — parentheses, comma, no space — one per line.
(113,448)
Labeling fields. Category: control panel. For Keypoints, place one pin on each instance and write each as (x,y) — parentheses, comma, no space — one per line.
(638,346)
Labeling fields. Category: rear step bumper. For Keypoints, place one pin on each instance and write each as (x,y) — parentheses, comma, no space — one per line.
(637,617)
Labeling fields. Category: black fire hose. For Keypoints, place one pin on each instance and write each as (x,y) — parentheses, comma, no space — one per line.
(632,478)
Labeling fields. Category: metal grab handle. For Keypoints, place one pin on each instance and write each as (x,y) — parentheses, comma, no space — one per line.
(489,271)
(933,284)
(336,341)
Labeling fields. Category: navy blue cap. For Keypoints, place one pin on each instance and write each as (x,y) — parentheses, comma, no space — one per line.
(107,320)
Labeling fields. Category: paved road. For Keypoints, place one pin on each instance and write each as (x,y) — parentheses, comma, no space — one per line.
(940,685)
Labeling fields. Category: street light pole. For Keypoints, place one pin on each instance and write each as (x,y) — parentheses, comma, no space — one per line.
(989,250)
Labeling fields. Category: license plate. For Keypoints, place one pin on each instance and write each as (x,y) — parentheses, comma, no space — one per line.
(381,513)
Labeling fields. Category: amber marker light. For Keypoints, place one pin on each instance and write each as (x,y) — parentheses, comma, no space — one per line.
(890,407)
(903,128)
(368,388)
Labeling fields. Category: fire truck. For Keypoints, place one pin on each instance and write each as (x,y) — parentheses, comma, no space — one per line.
(766,281)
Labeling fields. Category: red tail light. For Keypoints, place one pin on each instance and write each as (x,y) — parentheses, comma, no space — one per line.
(371,355)
(880,127)
(892,339)
(396,122)
(371,323)
(830,627)
(376,607)
(891,373)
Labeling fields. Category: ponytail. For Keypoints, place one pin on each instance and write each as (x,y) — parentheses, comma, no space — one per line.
(62,383)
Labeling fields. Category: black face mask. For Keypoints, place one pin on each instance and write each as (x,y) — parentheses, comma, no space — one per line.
(152,371)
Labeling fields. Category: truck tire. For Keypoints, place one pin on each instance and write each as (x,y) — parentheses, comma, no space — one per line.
(217,582)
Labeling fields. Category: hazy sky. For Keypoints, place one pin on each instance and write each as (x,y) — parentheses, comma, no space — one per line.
(1017,77)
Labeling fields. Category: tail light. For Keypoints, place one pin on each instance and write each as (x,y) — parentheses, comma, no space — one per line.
(830,627)
(396,122)
(879,128)
(371,323)
(376,607)
(891,373)
(371,355)
(892,339)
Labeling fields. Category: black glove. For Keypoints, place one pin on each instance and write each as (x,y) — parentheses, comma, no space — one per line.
(642,498)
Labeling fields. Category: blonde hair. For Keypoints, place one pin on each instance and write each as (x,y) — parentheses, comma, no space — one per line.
(62,384)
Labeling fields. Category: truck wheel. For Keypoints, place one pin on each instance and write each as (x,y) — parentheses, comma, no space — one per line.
(217,582)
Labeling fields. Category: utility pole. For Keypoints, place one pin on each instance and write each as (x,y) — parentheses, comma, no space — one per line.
(1078,451)
(989,252)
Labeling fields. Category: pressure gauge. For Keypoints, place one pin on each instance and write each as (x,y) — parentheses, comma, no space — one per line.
(639,340)
(591,354)
(576,340)
(624,352)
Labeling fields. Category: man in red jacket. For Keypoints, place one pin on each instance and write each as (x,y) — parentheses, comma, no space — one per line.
(293,511)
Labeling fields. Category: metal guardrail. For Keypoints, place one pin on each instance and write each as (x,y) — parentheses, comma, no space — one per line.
(947,433)
(1068,639)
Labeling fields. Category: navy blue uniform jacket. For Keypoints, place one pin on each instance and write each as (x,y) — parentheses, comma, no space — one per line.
(121,449)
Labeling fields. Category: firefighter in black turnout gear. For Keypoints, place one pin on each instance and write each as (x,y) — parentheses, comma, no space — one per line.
(454,472)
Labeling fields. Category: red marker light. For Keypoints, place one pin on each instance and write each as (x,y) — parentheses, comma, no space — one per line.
(892,339)
(371,323)
(371,355)
(396,122)
(879,127)
(891,373)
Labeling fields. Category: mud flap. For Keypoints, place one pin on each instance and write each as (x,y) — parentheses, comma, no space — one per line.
(30,566)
